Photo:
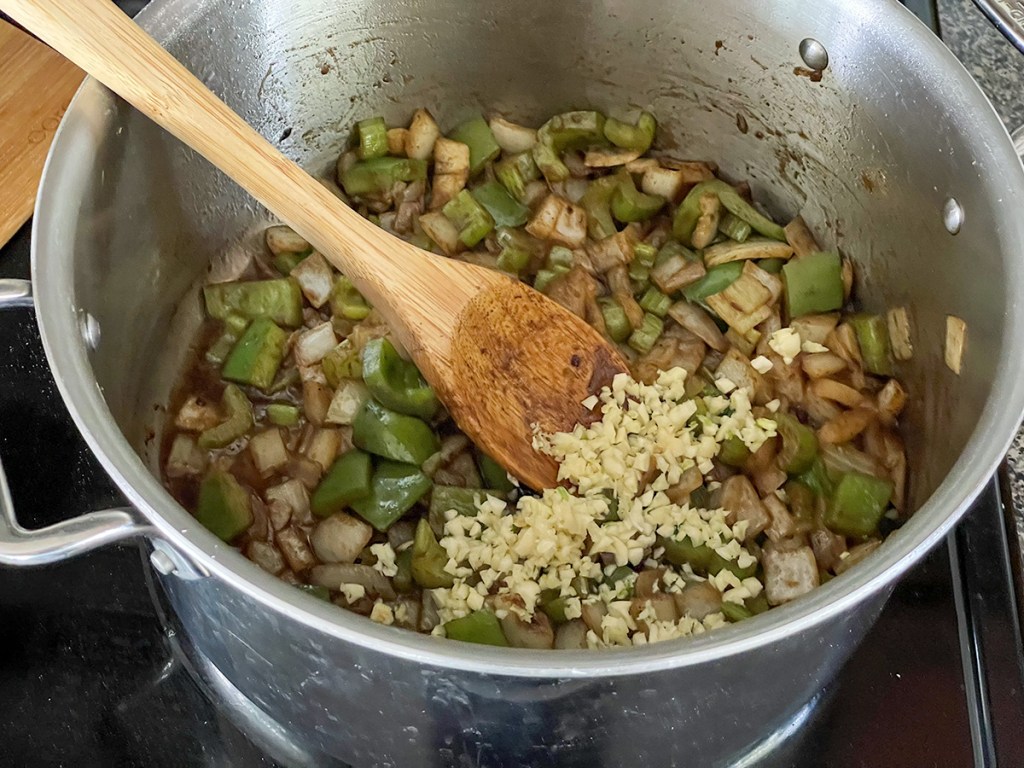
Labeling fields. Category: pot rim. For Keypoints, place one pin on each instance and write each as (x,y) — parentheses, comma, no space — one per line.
(60,331)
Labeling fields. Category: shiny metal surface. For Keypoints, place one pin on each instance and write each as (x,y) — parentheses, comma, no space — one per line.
(1008,16)
(127,222)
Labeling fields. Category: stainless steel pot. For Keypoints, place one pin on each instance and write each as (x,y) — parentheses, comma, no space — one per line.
(895,156)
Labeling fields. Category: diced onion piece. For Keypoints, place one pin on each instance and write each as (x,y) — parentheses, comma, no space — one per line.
(396,141)
(739,498)
(751,248)
(609,157)
(744,342)
(699,323)
(707,223)
(197,415)
(663,182)
(698,600)
(266,556)
(314,344)
(340,538)
(446,186)
(799,236)
(283,239)
(324,447)
(694,171)
(450,157)
(348,400)
(898,320)
(294,545)
(819,365)
(956,338)
(559,220)
(891,399)
(788,573)
(268,451)
(315,278)
(293,495)
(423,132)
(676,273)
(186,458)
(827,546)
(572,635)
(512,137)
(334,575)
(845,458)
(612,251)
(846,426)
(440,229)
(316,399)
(838,392)
(815,328)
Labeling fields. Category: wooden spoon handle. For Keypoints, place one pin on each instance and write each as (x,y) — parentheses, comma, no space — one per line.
(107,44)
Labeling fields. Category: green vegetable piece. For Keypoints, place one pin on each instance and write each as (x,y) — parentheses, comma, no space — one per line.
(239,420)
(637,138)
(392,435)
(505,210)
(396,383)
(629,204)
(286,262)
(373,138)
(254,360)
(702,558)
(347,301)
(469,217)
(816,478)
(597,202)
(735,228)
(476,134)
(347,480)
(735,611)
(555,609)
(224,508)
(620,573)
(733,452)
(278,300)
(234,327)
(544,278)
(462,500)
(873,340)
(813,284)
(688,212)
(799,444)
(403,580)
(715,281)
(480,627)
(379,174)
(644,337)
(801,500)
(429,559)
(494,475)
(550,163)
(342,362)
(320,593)
(282,414)
(560,259)
(757,604)
(515,172)
(644,254)
(573,130)
(394,489)
(655,302)
(772,266)
(700,498)
(615,321)
(857,504)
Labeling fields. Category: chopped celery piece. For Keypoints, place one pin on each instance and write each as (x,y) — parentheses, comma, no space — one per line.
(597,202)
(732,226)
(347,301)
(287,261)
(615,320)
(688,212)
(429,559)
(514,172)
(476,134)
(480,627)
(342,362)
(656,302)
(396,383)
(544,278)
(469,217)
(378,175)
(347,480)
(644,337)
(799,444)
(279,300)
(394,489)
(560,259)
(814,284)
(857,504)
(629,204)
(223,507)
(254,360)
(715,281)
(493,474)
(645,254)
(392,435)
(873,340)
(373,138)
(637,138)
(516,249)
(504,209)
(239,420)
(282,414)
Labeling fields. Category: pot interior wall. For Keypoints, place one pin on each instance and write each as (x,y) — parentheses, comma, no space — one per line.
(867,157)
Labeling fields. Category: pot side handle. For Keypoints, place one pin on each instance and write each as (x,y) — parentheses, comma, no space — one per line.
(19,546)
(1008,16)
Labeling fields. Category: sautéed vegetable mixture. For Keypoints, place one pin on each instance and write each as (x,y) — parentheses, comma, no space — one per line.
(752,454)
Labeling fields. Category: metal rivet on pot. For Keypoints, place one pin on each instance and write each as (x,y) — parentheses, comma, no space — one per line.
(162,562)
(952,216)
(813,53)
(90,330)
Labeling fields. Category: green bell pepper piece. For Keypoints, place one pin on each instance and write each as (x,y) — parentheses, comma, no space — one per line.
(637,137)
(234,327)
(716,280)
(702,558)
(555,607)
(816,478)
(799,444)
(573,130)
(342,362)
(282,414)
(873,340)
(735,228)
(517,249)
(813,284)
(347,301)
(597,202)
(700,498)
(396,383)
(429,559)
(239,420)
(480,627)
(514,172)
(772,266)
(403,581)
(373,138)
(379,174)
(224,507)
(493,474)
(630,204)
(392,435)
(254,360)
(735,611)
(504,209)
(477,135)
(347,480)
(469,217)
(655,302)
(462,500)
(688,212)
(733,452)
(394,489)
(279,300)
(857,504)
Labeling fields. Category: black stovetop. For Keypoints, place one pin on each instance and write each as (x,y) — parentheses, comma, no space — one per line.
(90,677)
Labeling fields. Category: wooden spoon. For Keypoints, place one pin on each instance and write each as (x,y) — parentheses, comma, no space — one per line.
(504,359)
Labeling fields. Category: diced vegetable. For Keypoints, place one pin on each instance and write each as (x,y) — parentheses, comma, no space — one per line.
(392,435)
(873,340)
(283,415)
(655,302)
(315,277)
(596,202)
(396,383)
(394,489)
(735,228)
(634,137)
(615,321)
(346,300)
(340,538)
(419,141)
(716,280)
(799,444)
(517,249)
(379,175)
(342,362)
(277,300)
(239,420)
(462,500)
(480,627)
(643,338)
(511,137)
(347,480)
(469,217)
(223,508)
(788,573)
(504,209)
(268,451)
(493,474)
(373,137)
(752,248)
(857,504)
(813,283)
(282,239)
(688,213)
(257,355)
(429,559)
(349,399)
(630,204)
(476,134)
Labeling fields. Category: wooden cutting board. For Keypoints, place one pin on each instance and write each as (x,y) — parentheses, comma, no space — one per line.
(36,86)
